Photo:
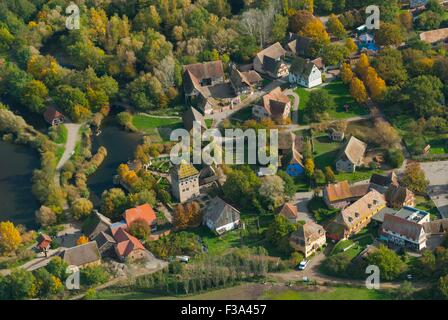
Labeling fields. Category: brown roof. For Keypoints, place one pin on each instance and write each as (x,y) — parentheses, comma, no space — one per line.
(289,211)
(359,190)
(252,76)
(362,208)
(402,226)
(51,114)
(319,62)
(338,191)
(354,150)
(309,232)
(82,254)
(384,180)
(275,102)
(274,51)
(397,194)
(44,241)
(436,227)
(205,70)
(126,243)
(434,35)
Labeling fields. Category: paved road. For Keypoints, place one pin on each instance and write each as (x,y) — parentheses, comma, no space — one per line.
(301,200)
(437,174)
(72,139)
(312,273)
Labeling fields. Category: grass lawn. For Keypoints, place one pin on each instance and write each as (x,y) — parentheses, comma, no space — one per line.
(325,151)
(251,237)
(341,95)
(208,123)
(357,176)
(331,293)
(427,205)
(158,129)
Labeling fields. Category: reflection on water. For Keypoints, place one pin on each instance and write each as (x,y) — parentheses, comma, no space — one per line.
(17,202)
(120,147)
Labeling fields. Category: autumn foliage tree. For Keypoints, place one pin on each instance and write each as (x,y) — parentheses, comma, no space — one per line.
(376,85)
(346,73)
(358,90)
(10,238)
(187,215)
(82,240)
(362,66)
(414,178)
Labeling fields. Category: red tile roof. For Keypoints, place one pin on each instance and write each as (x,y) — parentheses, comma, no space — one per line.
(143,212)
(126,243)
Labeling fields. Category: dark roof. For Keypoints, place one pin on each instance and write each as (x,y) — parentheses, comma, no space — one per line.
(192,115)
(383,180)
(82,254)
(299,45)
(379,216)
(96,223)
(51,114)
(195,73)
(436,226)
(403,227)
(220,212)
(103,238)
(397,194)
(301,66)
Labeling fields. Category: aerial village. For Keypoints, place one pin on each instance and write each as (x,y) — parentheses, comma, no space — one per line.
(363,146)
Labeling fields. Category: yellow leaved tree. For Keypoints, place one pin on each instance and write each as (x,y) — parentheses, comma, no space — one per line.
(10,238)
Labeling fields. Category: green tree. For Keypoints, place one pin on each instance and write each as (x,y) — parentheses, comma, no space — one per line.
(81,208)
(389,263)
(279,230)
(335,26)
(424,95)
(94,275)
(389,35)
(414,178)
(113,202)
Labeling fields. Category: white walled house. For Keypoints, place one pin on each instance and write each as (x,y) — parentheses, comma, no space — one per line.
(221,217)
(352,155)
(305,73)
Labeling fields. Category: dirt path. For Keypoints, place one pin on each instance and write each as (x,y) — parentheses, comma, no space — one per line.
(72,139)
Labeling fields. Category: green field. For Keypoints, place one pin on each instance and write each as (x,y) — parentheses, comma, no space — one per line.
(357,176)
(333,293)
(157,128)
(339,91)
(325,151)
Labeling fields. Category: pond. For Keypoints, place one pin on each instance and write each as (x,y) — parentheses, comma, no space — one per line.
(17,203)
(120,146)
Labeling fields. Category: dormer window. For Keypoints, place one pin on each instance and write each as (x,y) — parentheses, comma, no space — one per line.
(357,214)
(350,219)
(375,201)
(369,206)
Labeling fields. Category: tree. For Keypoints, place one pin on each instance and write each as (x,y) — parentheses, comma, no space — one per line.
(390,67)
(279,27)
(113,202)
(358,90)
(395,158)
(424,95)
(187,215)
(34,96)
(414,178)
(309,167)
(376,85)
(140,229)
(335,26)
(57,267)
(351,45)
(81,208)
(240,182)
(406,20)
(94,275)
(279,230)
(329,175)
(272,190)
(442,287)
(289,185)
(82,240)
(299,20)
(362,66)
(10,238)
(405,291)
(320,101)
(386,135)
(389,263)
(346,73)
(19,285)
(334,54)
(315,30)
(47,284)
(337,264)
(45,216)
(389,35)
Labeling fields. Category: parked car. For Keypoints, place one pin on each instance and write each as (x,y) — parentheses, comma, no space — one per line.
(302,265)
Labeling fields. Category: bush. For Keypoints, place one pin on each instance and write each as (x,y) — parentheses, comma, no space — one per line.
(93,275)
(337,265)
(395,157)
